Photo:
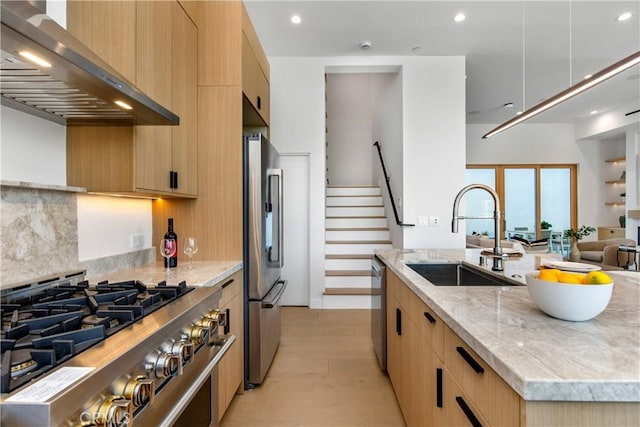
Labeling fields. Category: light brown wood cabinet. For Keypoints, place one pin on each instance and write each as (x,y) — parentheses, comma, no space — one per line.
(142,160)
(437,378)
(231,367)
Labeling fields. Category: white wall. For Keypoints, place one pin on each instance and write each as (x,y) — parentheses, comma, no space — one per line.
(387,129)
(349,127)
(32,149)
(433,140)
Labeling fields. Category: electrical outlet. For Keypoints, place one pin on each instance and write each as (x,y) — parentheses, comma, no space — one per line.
(434,221)
(137,240)
(423,221)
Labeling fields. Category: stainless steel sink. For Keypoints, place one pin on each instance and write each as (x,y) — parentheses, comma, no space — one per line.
(456,274)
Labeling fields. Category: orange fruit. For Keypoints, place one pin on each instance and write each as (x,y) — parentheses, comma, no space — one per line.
(571,278)
(596,278)
(548,275)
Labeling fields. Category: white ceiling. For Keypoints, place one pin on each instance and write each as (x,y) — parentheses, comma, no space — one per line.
(552,43)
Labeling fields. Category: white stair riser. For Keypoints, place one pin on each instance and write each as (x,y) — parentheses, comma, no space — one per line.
(354,248)
(347,281)
(355,222)
(353,191)
(354,211)
(347,264)
(357,235)
(346,301)
(353,201)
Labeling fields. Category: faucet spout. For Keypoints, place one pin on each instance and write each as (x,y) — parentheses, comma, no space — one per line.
(497,219)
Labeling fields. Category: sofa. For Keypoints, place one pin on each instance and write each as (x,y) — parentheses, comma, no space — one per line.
(605,252)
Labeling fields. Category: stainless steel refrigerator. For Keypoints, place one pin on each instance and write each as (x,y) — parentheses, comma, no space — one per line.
(263,261)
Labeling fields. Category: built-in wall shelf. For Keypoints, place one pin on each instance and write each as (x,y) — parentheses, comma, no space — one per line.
(616,160)
(615,203)
(635,214)
(617,181)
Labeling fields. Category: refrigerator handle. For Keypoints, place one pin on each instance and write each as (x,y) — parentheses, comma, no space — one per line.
(276,196)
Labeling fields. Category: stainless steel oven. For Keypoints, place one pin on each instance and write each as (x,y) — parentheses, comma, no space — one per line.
(110,354)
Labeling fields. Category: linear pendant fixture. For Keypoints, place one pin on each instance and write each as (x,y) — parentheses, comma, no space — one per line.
(572,91)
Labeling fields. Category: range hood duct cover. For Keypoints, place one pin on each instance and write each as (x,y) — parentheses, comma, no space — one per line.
(79,89)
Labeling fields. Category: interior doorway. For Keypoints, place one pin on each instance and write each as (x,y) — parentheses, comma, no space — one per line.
(296,230)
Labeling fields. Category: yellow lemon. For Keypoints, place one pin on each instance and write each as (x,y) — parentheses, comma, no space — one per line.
(548,275)
(570,278)
(597,278)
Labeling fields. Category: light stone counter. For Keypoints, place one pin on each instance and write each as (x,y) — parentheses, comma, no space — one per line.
(203,274)
(540,357)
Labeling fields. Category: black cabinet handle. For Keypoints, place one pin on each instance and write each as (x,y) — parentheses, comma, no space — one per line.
(227,322)
(398,321)
(470,360)
(173,179)
(468,412)
(259,103)
(439,387)
(429,317)
(227,283)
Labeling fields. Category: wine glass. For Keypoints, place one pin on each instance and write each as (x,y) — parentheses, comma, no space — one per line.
(190,247)
(168,249)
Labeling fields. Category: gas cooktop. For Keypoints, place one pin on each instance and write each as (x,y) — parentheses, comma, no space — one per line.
(45,324)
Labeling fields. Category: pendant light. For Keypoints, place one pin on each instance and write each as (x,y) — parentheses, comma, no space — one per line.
(573,90)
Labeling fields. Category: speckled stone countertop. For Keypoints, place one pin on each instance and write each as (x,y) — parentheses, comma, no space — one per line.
(540,357)
(204,273)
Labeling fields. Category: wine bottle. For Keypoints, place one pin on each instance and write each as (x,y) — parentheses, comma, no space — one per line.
(170,234)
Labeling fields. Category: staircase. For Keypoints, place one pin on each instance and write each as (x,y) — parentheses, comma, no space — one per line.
(355,226)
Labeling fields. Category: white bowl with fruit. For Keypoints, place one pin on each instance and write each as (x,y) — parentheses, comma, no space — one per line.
(570,296)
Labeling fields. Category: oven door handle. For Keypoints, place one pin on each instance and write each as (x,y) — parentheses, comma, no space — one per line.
(273,297)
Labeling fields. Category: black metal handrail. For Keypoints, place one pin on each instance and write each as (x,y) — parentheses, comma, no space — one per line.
(387,179)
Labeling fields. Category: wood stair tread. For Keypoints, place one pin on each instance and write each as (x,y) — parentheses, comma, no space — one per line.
(347,291)
(349,256)
(347,273)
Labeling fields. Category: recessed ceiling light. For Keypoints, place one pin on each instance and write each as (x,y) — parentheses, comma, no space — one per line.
(508,105)
(624,16)
(518,113)
(416,49)
(365,45)
(594,112)
(296,19)
(459,17)
(588,76)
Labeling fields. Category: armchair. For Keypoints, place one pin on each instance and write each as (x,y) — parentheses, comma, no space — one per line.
(604,251)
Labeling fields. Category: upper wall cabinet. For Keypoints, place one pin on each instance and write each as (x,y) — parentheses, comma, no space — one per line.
(145,160)
(225,31)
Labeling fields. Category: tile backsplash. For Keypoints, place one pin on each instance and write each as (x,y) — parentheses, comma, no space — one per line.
(38,232)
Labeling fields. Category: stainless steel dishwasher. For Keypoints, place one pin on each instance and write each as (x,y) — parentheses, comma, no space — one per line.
(378,311)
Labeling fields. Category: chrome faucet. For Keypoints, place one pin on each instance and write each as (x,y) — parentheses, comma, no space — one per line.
(497,218)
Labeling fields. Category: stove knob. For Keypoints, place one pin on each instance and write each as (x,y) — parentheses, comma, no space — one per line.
(113,411)
(162,364)
(218,316)
(211,326)
(184,347)
(197,333)
(140,390)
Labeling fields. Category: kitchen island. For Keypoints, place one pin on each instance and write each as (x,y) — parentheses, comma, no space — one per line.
(557,368)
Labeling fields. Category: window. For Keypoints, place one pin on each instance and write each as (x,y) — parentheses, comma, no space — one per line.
(529,195)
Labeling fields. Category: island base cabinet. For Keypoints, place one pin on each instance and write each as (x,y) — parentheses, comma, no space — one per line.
(457,408)
(560,414)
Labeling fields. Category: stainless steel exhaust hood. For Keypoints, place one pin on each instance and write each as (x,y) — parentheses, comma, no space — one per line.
(78,88)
